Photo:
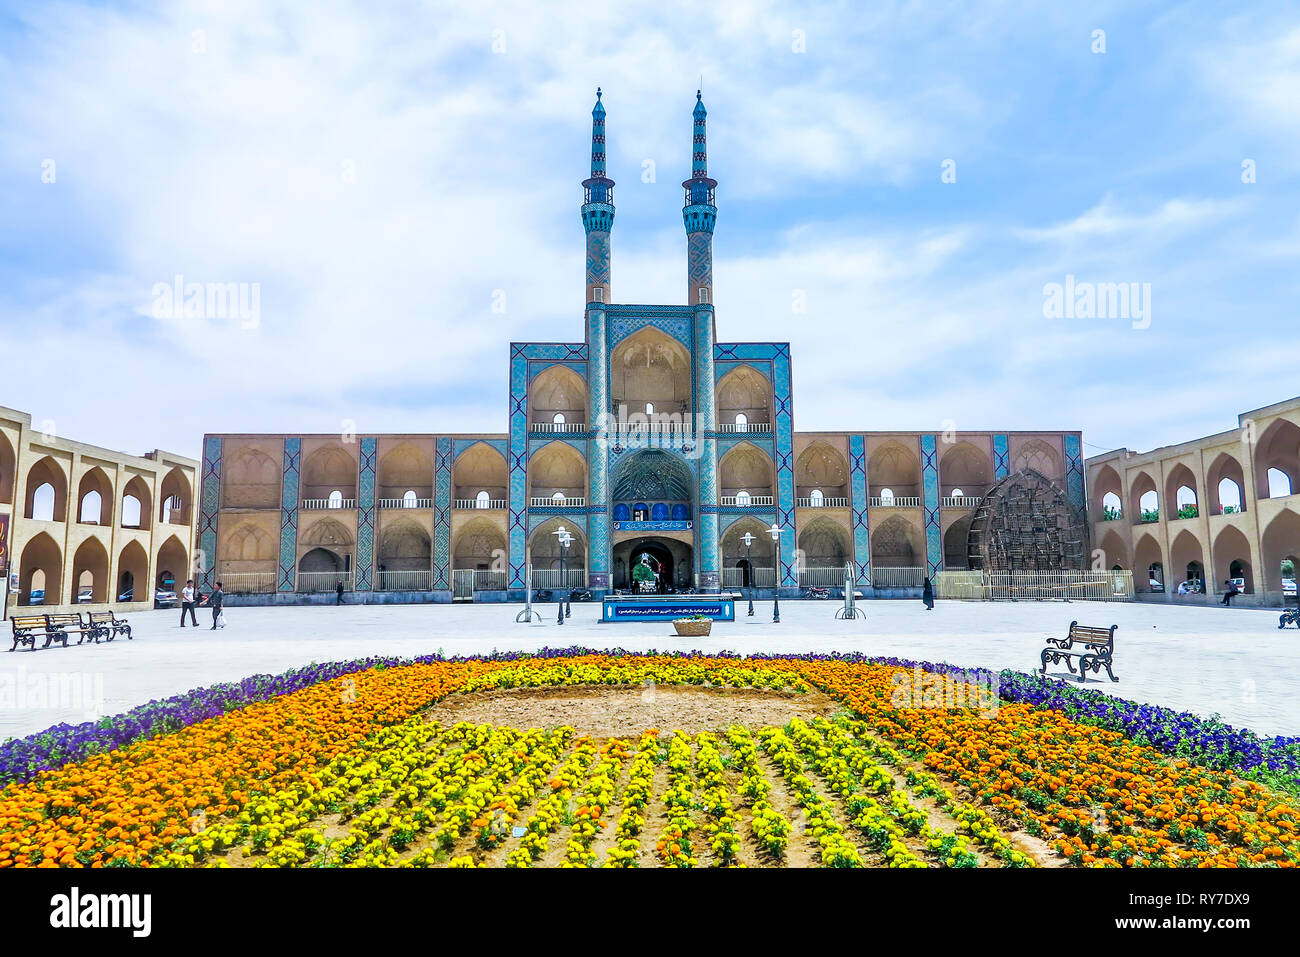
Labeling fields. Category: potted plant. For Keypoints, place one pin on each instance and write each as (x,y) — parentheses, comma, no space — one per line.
(693,626)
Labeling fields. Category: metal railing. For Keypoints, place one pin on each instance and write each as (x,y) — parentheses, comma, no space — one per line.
(897,501)
(323,581)
(884,576)
(546,501)
(475,503)
(557,426)
(406,503)
(826,501)
(320,503)
(557,578)
(1035,585)
(758,577)
(466,581)
(751,501)
(247,583)
(405,579)
(826,577)
(760,427)
(960,501)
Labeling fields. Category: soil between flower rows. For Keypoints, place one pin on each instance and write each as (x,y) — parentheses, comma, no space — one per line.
(608,713)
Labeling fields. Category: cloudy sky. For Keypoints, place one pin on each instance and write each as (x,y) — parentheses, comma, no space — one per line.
(387,173)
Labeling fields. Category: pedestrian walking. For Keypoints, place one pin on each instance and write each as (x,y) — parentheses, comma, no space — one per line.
(338,591)
(188,601)
(927,595)
(215,600)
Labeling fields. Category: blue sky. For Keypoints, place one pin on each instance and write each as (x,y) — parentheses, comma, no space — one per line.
(385,175)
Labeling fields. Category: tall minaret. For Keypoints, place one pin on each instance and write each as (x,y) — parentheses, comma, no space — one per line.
(598,210)
(597,218)
(699,214)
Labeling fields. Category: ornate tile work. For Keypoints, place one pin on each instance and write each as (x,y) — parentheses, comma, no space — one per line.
(559,351)
(1074,473)
(443,459)
(623,326)
(709,560)
(699,259)
(537,367)
(289,514)
(729,440)
(598,258)
(1001,457)
(517,461)
(777,355)
(460,445)
(723,369)
(859,501)
(576,518)
(930,505)
(598,540)
(209,506)
(366,515)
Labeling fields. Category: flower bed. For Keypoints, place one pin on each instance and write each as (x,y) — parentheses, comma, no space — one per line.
(875,785)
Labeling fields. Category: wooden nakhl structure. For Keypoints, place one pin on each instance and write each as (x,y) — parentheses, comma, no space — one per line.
(1025,523)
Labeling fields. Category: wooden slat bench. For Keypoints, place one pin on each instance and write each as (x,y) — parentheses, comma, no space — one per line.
(27,628)
(110,626)
(72,623)
(1096,650)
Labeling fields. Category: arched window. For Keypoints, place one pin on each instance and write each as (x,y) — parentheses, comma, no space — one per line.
(957,493)
(409,498)
(1279,483)
(130,511)
(90,508)
(816,498)
(43,503)
(886,496)
(170,505)
(336,499)
(558,497)
(742,498)
(558,418)
(1111,507)
(482,499)
(1229,496)
(742,421)
(649,408)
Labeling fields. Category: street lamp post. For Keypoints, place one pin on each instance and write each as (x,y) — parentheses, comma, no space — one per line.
(564,538)
(775,532)
(748,539)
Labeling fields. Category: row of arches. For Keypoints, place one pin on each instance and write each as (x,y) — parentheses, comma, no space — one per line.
(41,571)
(1230,557)
(1277,470)
(46,498)
(558,471)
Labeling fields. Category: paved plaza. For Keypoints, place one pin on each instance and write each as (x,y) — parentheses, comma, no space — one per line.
(1233,662)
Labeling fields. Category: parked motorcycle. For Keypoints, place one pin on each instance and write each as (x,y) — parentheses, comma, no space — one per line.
(816,591)
(543,595)
(579,594)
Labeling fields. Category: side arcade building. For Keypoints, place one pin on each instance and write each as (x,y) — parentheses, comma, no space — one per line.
(646,439)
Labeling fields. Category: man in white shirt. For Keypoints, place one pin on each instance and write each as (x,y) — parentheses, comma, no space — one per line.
(188,603)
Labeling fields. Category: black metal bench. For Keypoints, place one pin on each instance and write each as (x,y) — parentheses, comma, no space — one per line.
(70,623)
(27,628)
(110,626)
(1096,650)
